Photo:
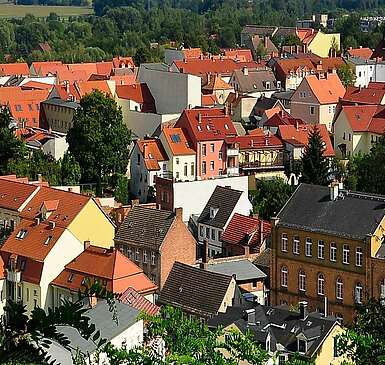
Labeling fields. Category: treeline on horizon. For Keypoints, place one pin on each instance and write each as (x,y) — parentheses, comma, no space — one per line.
(128,27)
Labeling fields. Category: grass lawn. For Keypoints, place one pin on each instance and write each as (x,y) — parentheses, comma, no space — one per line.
(19,11)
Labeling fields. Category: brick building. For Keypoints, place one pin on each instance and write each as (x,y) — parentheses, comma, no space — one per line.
(154,239)
(327,249)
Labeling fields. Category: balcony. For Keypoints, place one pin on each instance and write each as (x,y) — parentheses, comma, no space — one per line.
(262,165)
(232,171)
(232,152)
(14,276)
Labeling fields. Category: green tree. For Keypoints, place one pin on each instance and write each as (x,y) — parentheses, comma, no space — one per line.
(364,342)
(142,55)
(346,75)
(98,139)
(70,170)
(121,188)
(314,165)
(11,148)
(270,196)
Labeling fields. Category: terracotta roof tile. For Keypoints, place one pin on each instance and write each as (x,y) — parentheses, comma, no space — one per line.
(87,87)
(373,94)
(207,124)
(243,55)
(327,90)
(32,240)
(139,302)
(123,62)
(13,194)
(152,151)
(366,118)
(209,100)
(30,85)
(300,136)
(48,67)
(140,93)
(282,118)
(216,83)
(177,141)
(243,230)
(68,207)
(110,265)
(362,52)
(257,142)
(10,69)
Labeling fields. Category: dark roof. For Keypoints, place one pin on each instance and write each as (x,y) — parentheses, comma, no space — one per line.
(242,269)
(352,214)
(145,225)
(263,259)
(264,103)
(224,199)
(273,319)
(194,290)
(61,102)
(255,80)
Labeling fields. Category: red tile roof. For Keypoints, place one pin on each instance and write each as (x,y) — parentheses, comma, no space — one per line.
(139,302)
(207,124)
(292,135)
(216,83)
(140,93)
(257,142)
(199,67)
(90,68)
(152,151)
(87,87)
(327,90)
(110,265)
(177,141)
(10,69)
(282,118)
(68,207)
(124,79)
(36,244)
(209,100)
(122,62)
(30,85)
(14,194)
(243,230)
(48,67)
(373,94)
(243,55)
(362,52)
(366,118)
(191,53)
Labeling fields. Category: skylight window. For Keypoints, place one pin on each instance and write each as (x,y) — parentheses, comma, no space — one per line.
(226,126)
(70,277)
(21,234)
(175,138)
(199,128)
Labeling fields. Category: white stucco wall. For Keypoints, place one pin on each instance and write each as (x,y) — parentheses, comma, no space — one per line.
(56,147)
(194,195)
(173,91)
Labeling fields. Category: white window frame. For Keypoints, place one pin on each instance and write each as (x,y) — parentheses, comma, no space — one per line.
(284,242)
(333,252)
(284,276)
(358,293)
(345,254)
(339,289)
(321,249)
(302,281)
(321,284)
(308,247)
(359,256)
(296,243)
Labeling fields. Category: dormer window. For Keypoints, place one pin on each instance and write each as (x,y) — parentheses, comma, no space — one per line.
(21,234)
(213,212)
(302,346)
(47,240)
(70,278)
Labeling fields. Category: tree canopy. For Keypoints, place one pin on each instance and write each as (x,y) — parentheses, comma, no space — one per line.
(99,139)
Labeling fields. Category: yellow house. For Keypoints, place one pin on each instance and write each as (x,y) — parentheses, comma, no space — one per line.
(283,332)
(357,128)
(325,45)
(55,227)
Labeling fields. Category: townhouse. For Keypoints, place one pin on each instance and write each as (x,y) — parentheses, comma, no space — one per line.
(148,159)
(53,227)
(327,249)
(316,98)
(154,239)
(182,158)
(107,266)
(216,215)
(207,130)
(217,87)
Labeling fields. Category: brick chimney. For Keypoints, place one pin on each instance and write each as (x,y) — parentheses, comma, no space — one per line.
(87,244)
(93,301)
(179,213)
(303,310)
(134,202)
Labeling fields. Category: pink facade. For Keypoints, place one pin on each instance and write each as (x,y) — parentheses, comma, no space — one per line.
(211,159)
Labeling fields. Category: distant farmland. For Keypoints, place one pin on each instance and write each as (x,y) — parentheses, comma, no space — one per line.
(19,11)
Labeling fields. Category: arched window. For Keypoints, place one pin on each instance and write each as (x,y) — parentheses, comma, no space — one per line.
(284,274)
(358,293)
(382,289)
(339,289)
(321,284)
(302,280)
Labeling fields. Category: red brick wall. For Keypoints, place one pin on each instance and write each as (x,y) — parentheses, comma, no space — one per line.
(161,186)
(178,245)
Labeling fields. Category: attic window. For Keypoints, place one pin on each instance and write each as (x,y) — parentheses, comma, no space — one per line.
(226,126)
(199,128)
(150,155)
(213,212)
(309,323)
(70,278)
(48,240)
(302,346)
(21,234)
(22,265)
(208,127)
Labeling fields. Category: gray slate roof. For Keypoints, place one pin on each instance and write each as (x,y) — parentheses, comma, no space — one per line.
(225,199)
(352,214)
(242,269)
(61,102)
(255,80)
(145,225)
(271,319)
(263,259)
(194,290)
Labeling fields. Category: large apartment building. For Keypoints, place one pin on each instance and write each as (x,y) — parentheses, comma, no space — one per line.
(328,250)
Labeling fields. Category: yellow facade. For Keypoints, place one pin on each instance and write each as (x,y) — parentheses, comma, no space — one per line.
(325,354)
(91,224)
(322,43)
